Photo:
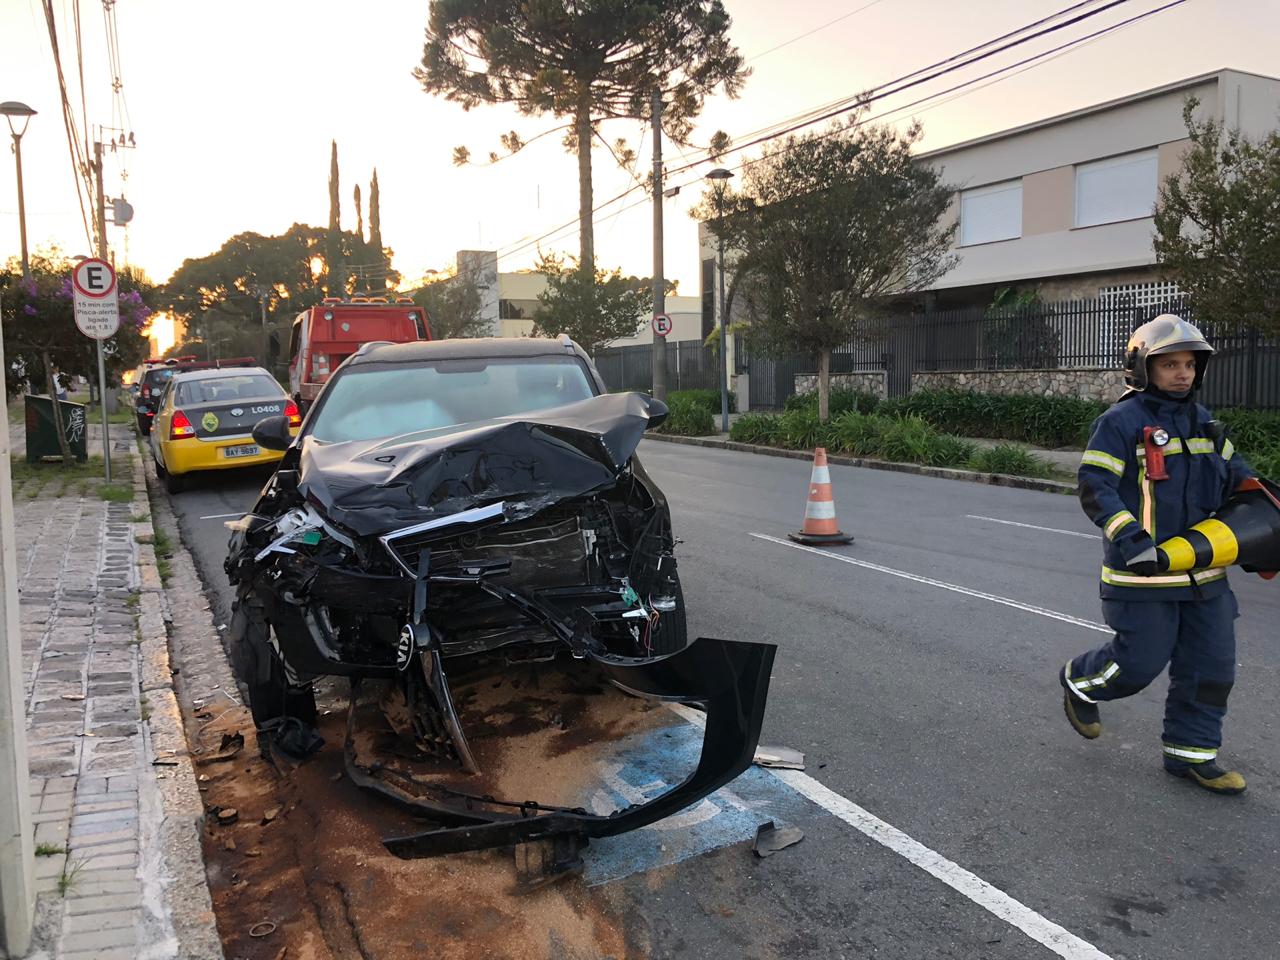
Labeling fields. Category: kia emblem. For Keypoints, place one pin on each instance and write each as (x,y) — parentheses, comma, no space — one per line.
(237,412)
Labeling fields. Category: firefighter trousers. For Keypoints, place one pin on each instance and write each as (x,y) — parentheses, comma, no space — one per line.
(1196,639)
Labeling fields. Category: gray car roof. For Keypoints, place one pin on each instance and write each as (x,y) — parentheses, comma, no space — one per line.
(471,348)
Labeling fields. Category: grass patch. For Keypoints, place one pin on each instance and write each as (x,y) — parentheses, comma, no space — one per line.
(53,479)
(144,708)
(133,600)
(116,492)
(709,400)
(1009,458)
(139,517)
(164,553)
(50,849)
(67,879)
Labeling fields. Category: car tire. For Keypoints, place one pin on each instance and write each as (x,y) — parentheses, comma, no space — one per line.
(258,668)
(671,635)
(172,482)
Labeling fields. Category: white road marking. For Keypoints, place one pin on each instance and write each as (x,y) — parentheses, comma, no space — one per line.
(1032,526)
(222,516)
(1040,929)
(955,588)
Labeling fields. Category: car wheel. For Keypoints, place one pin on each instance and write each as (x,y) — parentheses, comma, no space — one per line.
(256,666)
(672,632)
(173,482)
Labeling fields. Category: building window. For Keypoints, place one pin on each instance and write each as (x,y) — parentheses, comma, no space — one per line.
(1120,188)
(991,213)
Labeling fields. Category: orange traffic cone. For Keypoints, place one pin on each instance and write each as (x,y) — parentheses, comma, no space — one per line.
(820,525)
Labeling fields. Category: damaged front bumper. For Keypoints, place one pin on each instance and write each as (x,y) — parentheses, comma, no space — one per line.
(729,678)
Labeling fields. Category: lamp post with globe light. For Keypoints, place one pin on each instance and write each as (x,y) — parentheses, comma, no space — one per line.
(12,109)
(718,177)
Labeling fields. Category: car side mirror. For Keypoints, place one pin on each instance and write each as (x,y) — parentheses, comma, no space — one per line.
(273,433)
(658,412)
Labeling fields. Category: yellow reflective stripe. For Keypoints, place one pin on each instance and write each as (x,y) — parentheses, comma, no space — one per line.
(1194,754)
(1146,501)
(1121,578)
(1200,445)
(1118,522)
(1228,451)
(1225,545)
(1182,556)
(1097,458)
(1173,446)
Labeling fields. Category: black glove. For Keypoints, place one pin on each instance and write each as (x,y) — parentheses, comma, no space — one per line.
(1142,558)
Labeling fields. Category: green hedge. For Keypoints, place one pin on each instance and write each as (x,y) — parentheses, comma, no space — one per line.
(708,399)
(901,439)
(687,418)
(842,399)
(1041,421)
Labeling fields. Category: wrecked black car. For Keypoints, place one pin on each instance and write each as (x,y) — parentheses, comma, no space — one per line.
(460,509)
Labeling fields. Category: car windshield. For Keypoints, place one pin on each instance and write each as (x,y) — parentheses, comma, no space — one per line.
(246,386)
(377,401)
(157,377)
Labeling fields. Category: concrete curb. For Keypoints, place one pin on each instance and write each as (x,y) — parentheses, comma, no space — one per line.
(185,887)
(943,473)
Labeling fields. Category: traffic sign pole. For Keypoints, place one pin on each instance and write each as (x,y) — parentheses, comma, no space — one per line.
(102,402)
(98,316)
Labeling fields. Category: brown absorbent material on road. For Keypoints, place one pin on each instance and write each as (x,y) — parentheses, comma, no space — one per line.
(319,870)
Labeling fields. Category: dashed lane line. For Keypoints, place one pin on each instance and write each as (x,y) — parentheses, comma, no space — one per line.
(954,587)
(1032,526)
(995,901)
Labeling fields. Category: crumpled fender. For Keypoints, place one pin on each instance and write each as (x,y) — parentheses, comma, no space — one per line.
(729,677)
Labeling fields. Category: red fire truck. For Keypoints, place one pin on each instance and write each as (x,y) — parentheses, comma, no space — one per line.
(327,334)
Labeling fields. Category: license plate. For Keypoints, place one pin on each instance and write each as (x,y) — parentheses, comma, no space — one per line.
(246,450)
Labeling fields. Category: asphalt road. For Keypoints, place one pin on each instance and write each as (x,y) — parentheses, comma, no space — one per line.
(936,708)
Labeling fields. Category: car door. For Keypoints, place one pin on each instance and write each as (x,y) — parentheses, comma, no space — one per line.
(160,424)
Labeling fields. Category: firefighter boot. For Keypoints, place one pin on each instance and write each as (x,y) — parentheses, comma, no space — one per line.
(1081,714)
(1208,775)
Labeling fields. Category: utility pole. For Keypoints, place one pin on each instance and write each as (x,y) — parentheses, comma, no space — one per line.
(659,284)
(17,853)
(101,214)
(266,347)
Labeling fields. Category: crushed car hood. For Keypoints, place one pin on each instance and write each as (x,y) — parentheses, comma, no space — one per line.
(533,460)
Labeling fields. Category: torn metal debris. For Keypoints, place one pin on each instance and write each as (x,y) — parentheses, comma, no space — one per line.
(771,838)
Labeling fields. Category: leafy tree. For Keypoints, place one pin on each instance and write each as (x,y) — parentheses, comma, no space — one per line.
(1216,225)
(454,306)
(594,309)
(40,332)
(825,230)
(589,60)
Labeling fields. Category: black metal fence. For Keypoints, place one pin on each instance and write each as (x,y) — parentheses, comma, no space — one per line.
(690,366)
(1067,335)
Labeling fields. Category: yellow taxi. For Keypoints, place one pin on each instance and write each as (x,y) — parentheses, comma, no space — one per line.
(205,419)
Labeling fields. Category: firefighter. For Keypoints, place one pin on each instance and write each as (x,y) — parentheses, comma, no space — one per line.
(1157,463)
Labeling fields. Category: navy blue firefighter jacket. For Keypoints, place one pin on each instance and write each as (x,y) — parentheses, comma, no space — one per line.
(1136,512)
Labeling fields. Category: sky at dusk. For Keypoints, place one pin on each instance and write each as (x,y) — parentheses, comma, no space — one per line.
(233,106)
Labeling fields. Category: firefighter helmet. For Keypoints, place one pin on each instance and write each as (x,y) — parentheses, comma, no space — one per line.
(1167,333)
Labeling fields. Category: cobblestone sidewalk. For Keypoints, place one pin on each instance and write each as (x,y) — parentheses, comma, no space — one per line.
(103,880)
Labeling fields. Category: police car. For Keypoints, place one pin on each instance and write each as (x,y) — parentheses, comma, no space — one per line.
(204,421)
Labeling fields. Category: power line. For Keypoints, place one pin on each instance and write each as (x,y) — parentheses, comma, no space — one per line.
(1025,64)
(78,165)
(809,33)
(904,82)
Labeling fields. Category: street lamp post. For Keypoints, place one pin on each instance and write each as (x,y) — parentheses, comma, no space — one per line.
(719,176)
(12,109)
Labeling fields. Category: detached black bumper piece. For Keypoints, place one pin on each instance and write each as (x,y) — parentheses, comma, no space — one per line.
(730,678)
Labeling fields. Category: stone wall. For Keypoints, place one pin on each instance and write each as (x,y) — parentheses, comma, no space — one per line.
(1096,383)
(871,381)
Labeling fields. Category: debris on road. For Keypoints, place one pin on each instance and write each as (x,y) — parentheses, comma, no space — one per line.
(778,758)
(770,839)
